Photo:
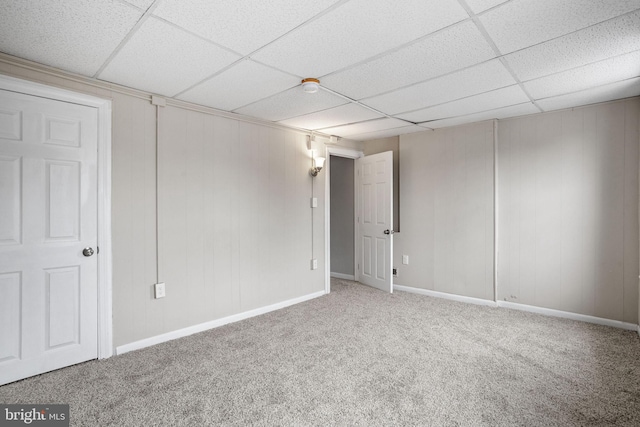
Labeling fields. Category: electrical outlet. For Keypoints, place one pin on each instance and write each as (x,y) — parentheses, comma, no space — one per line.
(314,202)
(405,259)
(314,264)
(395,272)
(159,290)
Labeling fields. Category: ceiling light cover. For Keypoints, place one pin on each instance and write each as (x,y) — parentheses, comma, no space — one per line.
(310,85)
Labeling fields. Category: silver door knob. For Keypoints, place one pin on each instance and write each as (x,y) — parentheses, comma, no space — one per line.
(87,251)
(389,231)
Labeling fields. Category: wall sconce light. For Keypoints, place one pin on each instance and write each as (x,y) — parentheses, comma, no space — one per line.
(318,163)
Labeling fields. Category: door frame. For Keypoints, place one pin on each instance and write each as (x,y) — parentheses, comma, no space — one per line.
(348,153)
(105,273)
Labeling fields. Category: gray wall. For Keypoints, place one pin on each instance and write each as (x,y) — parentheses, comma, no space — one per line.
(568,210)
(342,212)
(446,211)
(235,220)
(380,146)
(567,195)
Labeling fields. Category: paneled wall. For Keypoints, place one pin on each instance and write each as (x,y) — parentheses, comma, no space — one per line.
(446,208)
(235,221)
(568,210)
(133,220)
(234,218)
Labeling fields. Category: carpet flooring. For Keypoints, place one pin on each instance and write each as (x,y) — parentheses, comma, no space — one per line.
(361,357)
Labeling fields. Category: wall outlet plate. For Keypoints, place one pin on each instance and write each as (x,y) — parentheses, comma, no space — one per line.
(159,290)
(314,202)
(405,259)
(395,272)
(314,264)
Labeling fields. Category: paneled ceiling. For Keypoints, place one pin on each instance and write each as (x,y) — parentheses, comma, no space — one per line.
(386,67)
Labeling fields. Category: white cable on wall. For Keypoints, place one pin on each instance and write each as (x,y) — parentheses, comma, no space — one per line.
(312,179)
(159,103)
(495,210)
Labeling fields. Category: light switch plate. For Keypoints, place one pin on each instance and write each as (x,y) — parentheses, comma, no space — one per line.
(314,202)
(314,264)
(405,259)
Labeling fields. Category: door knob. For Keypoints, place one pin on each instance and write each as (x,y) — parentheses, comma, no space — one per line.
(389,231)
(87,251)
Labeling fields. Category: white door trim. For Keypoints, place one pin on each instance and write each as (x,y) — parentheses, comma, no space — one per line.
(349,154)
(105,323)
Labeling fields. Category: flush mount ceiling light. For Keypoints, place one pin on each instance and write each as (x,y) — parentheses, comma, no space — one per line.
(310,85)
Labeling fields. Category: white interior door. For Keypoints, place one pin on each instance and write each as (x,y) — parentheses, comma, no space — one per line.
(48,216)
(375,220)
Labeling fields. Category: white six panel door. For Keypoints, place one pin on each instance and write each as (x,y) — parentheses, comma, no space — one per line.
(375,215)
(48,215)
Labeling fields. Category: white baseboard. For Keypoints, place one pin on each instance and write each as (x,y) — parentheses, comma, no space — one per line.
(343,276)
(568,315)
(444,295)
(522,307)
(147,342)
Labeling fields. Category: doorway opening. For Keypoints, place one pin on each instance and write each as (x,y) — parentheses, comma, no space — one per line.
(344,160)
(372,215)
(342,218)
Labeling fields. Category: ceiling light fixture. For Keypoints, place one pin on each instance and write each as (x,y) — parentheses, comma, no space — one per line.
(310,85)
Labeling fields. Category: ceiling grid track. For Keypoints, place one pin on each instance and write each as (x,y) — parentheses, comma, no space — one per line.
(396,49)
(384,67)
(353,101)
(126,39)
(249,55)
(499,55)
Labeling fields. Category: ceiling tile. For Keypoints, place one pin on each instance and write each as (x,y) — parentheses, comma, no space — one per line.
(370,136)
(364,127)
(291,103)
(142,4)
(355,31)
(596,74)
(480,78)
(618,90)
(73,35)
(348,113)
(241,84)
(593,44)
(504,97)
(523,23)
(162,59)
(499,113)
(478,6)
(243,26)
(448,50)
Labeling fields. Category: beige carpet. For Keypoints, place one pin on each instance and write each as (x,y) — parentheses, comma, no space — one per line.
(362,357)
